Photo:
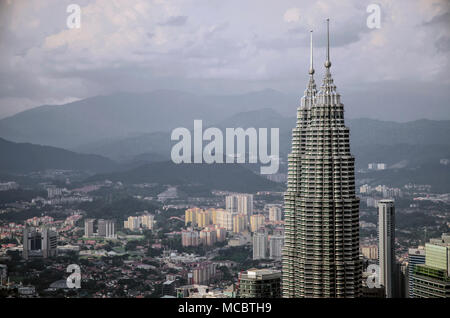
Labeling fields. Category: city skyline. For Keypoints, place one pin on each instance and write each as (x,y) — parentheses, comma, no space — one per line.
(95,203)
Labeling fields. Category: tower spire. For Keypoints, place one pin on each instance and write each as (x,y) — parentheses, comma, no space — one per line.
(328,62)
(311,63)
(307,101)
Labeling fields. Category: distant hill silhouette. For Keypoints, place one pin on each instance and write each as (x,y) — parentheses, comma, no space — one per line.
(26,157)
(231,177)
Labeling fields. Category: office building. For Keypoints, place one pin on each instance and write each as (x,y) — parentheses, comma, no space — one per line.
(432,280)
(415,256)
(49,243)
(101,227)
(259,283)
(321,251)
(89,228)
(39,243)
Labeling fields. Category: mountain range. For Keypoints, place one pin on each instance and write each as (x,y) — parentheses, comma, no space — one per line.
(26,157)
(106,118)
(125,131)
(227,177)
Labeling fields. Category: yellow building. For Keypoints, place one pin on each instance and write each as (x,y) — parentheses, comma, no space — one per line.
(203,218)
(256,221)
(370,252)
(212,215)
(224,219)
(190,215)
(239,223)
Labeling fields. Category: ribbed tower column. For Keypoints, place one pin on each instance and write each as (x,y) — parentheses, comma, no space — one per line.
(290,262)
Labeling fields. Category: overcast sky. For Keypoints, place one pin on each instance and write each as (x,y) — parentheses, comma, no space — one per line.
(225,47)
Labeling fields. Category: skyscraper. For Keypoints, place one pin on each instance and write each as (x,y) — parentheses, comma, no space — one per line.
(415,256)
(259,245)
(386,246)
(321,251)
(432,279)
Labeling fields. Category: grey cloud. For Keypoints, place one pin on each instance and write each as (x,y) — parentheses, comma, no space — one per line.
(175,21)
(231,50)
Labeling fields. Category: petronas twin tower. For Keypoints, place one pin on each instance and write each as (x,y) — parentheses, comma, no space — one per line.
(321,251)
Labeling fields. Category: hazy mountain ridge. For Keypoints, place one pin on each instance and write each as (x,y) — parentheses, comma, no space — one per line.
(96,123)
(135,128)
(422,141)
(228,177)
(26,157)
(123,115)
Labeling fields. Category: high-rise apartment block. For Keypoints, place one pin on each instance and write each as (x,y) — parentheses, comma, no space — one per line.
(135,223)
(225,219)
(274,213)
(208,237)
(259,245)
(370,252)
(203,272)
(239,223)
(190,238)
(256,222)
(240,203)
(276,247)
(386,246)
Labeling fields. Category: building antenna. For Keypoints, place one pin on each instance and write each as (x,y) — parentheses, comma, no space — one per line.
(311,63)
(328,62)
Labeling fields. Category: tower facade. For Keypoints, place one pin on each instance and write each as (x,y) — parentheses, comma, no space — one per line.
(321,250)
(386,245)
